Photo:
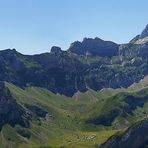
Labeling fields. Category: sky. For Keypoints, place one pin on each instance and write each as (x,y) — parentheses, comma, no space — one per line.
(34,26)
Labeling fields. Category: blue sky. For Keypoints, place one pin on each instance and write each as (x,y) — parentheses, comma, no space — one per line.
(33,26)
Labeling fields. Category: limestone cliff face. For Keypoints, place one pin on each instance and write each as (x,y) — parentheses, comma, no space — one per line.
(134,137)
(94,46)
(142,38)
(144,33)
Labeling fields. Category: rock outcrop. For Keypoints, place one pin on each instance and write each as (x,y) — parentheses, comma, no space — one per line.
(142,38)
(144,33)
(95,47)
(134,137)
(11,112)
(56,50)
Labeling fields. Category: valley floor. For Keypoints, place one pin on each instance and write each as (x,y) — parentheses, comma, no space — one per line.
(70,122)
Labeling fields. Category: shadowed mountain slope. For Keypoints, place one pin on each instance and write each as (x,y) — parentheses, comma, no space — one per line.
(90,64)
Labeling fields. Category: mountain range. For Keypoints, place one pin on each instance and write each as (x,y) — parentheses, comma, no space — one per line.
(94,94)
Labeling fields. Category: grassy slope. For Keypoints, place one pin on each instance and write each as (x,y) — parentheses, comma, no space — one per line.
(65,126)
(114,98)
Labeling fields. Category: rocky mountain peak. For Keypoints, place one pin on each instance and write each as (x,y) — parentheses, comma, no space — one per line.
(144,33)
(94,46)
(56,50)
(142,38)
